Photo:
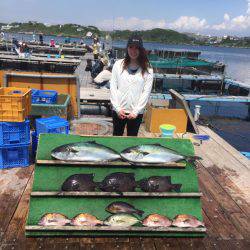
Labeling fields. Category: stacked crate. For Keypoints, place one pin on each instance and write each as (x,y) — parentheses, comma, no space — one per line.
(50,125)
(15,106)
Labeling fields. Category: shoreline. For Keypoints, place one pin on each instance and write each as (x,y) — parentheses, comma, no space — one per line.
(148,41)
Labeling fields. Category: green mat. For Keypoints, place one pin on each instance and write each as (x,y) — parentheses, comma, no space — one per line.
(51,177)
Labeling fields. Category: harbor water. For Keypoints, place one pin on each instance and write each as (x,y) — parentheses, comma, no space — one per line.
(229,120)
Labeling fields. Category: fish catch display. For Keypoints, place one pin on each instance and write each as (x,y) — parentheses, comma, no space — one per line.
(79,182)
(123,207)
(121,220)
(156,220)
(150,154)
(85,220)
(186,220)
(158,184)
(118,182)
(85,152)
(54,219)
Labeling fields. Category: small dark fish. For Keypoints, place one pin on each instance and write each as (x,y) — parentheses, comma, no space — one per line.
(156,220)
(186,220)
(118,182)
(89,151)
(123,207)
(158,184)
(54,219)
(79,182)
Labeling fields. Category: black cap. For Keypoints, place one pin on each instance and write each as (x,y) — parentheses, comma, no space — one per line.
(135,40)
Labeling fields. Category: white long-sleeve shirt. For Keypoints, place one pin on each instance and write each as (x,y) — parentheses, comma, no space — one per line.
(130,92)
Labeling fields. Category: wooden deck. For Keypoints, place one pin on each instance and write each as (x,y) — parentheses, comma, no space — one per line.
(224,181)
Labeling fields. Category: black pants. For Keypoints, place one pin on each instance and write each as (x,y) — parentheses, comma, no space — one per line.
(133,125)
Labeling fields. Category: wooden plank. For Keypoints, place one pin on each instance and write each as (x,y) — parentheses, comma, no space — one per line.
(230,149)
(214,155)
(181,100)
(110,164)
(215,212)
(114,194)
(16,227)
(232,210)
(88,94)
(13,182)
(116,228)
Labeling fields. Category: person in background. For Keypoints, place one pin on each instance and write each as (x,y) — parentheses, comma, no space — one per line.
(103,78)
(98,66)
(52,43)
(41,39)
(130,88)
(96,47)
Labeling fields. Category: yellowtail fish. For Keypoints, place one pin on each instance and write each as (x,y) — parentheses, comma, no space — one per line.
(85,152)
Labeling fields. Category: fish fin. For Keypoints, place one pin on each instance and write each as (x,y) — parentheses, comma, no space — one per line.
(155,187)
(139,212)
(98,184)
(168,178)
(138,183)
(191,159)
(176,187)
(120,193)
(74,150)
(94,142)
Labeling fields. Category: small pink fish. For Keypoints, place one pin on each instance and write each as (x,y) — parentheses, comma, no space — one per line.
(85,220)
(185,220)
(53,219)
(156,220)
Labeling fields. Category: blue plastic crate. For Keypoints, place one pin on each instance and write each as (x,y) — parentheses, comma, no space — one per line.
(44,96)
(14,156)
(52,125)
(14,133)
(34,142)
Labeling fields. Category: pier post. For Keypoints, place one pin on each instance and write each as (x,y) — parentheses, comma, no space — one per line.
(248,112)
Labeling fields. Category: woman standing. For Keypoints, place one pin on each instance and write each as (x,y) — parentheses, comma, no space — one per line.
(130,87)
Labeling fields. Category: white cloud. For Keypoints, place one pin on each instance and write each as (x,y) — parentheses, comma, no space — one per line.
(229,24)
(226,17)
(132,23)
(248,7)
(189,23)
(237,23)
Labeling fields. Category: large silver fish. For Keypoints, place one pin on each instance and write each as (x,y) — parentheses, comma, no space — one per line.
(150,154)
(85,152)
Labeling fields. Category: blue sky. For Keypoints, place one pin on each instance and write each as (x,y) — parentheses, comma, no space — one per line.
(219,17)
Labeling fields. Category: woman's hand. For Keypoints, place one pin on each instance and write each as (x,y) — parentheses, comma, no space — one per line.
(131,116)
(122,114)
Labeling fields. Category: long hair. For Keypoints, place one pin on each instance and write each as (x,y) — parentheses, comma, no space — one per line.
(142,60)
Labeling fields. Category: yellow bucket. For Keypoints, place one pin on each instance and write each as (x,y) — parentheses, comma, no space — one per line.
(167,130)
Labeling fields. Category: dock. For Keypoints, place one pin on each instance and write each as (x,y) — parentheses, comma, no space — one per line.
(92,94)
(224,183)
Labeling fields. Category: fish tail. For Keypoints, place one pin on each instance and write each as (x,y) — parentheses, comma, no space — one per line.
(98,184)
(193,158)
(138,183)
(139,212)
(176,187)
